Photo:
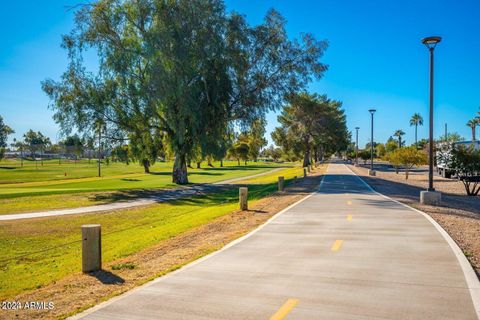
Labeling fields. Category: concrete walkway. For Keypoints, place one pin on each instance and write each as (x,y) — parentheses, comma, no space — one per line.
(161,196)
(342,253)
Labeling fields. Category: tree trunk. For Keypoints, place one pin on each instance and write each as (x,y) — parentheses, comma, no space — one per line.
(209,162)
(199,165)
(306,157)
(245,162)
(238,160)
(406,174)
(221,163)
(146,165)
(179,175)
(416,140)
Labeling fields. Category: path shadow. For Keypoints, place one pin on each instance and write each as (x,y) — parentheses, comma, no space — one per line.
(106,277)
(411,193)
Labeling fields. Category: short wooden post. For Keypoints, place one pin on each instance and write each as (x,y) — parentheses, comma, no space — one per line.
(243,198)
(91,248)
(281,184)
(304,172)
(308,169)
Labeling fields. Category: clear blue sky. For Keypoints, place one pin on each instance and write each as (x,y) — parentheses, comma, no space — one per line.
(375,56)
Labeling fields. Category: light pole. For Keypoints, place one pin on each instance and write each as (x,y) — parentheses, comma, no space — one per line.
(371,171)
(430,196)
(356,147)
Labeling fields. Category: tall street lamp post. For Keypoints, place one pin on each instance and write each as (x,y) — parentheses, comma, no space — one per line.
(356,147)
(430,196)
(371,171)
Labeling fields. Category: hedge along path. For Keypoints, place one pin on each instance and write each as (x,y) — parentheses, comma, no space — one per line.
(77,292)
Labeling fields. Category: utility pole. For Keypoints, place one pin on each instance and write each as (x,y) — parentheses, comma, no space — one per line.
(371,171)
(356,147)
(430,196)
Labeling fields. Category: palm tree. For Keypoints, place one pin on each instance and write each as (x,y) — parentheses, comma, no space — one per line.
(473,125)
(399,133)
(416,120)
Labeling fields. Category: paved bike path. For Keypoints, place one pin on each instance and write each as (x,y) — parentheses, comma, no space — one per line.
(344,252)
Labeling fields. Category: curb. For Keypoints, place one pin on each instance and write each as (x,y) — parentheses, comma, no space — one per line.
(471,279)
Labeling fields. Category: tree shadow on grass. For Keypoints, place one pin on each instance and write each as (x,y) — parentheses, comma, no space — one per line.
(106,277)
(244,168)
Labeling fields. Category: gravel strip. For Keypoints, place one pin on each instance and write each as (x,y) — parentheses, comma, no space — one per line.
(459,214)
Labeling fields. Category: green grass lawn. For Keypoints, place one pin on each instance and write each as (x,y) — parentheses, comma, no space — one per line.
(24,192)
(123,232)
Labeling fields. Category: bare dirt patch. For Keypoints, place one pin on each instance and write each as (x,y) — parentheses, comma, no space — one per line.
(459,214)
(81,291)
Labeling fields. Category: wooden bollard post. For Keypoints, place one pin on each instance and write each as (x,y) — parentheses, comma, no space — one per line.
(304,172)
(91,248)
(243,198)
(281,184)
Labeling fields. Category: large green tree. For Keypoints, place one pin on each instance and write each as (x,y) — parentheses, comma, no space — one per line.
(74,144)
(145,147)
(36,141)
(186,68)
(310,122)
(5,131)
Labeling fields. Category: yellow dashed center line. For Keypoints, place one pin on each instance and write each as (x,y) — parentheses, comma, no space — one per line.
(349,217)
(336,245)
(285,309)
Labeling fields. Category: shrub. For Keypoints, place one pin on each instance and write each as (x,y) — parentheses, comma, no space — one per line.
(408,158)
(465,161)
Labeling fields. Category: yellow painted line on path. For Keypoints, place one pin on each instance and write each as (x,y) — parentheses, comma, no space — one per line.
(349,217)
(285,309)
(336,245)
(349,203)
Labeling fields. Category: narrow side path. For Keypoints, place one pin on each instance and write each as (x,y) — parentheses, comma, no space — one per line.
(161,196)
(344,252)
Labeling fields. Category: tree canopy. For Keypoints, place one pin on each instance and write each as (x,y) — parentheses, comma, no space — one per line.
(185,68)
(311,124)
(5,131)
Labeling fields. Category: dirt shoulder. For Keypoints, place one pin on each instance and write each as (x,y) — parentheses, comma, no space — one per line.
(81,291)
(459,214)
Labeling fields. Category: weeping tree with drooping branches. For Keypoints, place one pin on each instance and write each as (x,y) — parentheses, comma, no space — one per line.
(186,68)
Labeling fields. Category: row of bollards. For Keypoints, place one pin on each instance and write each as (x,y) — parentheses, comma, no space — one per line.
(92,235)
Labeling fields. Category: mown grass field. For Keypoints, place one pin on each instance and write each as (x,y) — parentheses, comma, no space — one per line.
(22,188)
(37,252)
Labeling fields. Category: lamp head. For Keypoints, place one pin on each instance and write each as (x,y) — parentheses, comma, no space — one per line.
(431,42)
(356,128)
(372,111)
